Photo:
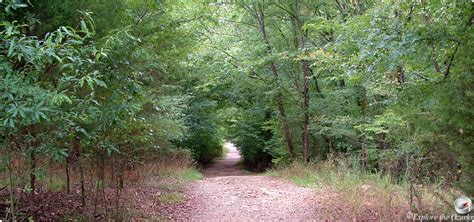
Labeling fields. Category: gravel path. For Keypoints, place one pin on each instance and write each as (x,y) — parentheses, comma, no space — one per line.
(229,194)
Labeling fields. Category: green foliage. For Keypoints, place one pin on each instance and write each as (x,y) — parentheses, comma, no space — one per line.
(115,82)
(388,83)
(98,84)
(248,131)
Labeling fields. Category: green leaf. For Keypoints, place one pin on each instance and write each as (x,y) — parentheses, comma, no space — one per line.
(84,27)
(11,48)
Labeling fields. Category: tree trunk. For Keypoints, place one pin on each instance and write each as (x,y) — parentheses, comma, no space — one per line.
(81,175)
(300,44)
(10,178)
(318,89)
(77,146)
(68,186)
(33,176)
(305,111)
(281,109)
(400,75)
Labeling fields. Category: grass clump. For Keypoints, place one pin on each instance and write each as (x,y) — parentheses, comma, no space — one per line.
(184,174)
(172,187)
(172,197)
(55,183)
(299,173)
(190,174)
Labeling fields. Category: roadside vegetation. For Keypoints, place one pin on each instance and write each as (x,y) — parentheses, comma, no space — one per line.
(92,103)
(347,193)
(98,96)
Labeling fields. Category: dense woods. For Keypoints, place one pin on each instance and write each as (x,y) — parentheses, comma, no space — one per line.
(92,91)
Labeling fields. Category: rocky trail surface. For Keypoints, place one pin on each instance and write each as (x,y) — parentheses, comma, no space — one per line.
(227,193)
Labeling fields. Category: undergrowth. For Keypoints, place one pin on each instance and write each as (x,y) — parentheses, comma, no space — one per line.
(172,197)
(159,179)
(167,178)
(365,195)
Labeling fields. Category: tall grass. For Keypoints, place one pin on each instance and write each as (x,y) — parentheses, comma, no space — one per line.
(364,195)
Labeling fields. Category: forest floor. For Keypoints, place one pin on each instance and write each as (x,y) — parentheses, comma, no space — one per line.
(229,193)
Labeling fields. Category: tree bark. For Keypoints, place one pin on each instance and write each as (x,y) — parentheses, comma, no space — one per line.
(305,110)
(300,38)
(68,178)
(33,176)
(77,146)
(281,108)
(400,75)
(11,181)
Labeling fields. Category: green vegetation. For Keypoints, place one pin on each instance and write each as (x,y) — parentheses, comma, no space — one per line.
(173,197)
(102,93)
(191,174)
(359,192)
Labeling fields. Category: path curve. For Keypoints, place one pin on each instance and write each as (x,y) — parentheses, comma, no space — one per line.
(228,194)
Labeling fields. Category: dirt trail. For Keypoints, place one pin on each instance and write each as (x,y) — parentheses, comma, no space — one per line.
(229,194)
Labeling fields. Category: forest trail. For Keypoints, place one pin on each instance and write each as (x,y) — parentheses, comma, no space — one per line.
(227,193)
